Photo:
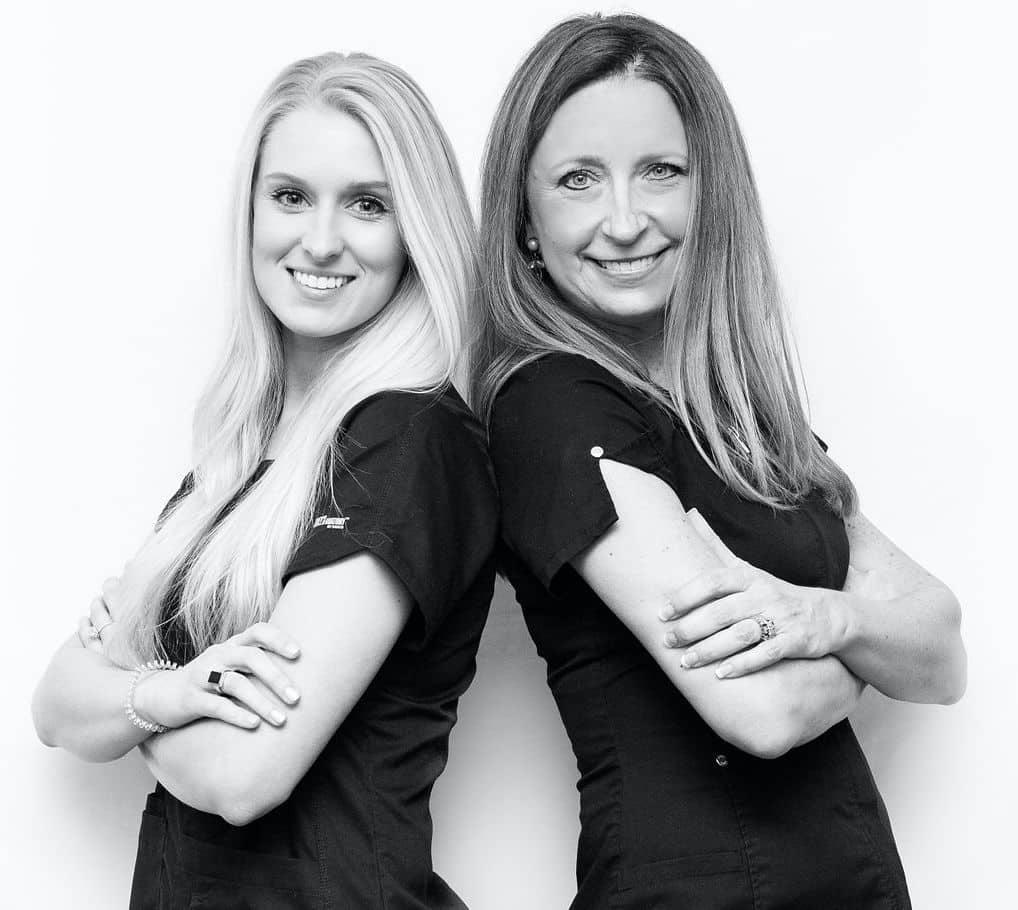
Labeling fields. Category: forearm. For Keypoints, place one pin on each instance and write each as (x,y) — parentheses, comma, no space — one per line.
(909,647)
(780,707)
(203,764)
(79,706)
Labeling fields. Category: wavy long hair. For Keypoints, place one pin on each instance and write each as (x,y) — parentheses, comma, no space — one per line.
(225,570)
(731,370)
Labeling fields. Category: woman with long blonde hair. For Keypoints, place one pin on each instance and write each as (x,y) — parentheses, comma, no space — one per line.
(635,365)
(288,646)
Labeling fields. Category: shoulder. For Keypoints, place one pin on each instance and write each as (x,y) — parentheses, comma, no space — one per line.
(558,393)
(406,417)
(552,371)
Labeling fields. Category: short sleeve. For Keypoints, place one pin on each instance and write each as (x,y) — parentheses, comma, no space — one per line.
(551,423)
(416,489)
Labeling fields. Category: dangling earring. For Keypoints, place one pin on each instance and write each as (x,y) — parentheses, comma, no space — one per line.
(535,263)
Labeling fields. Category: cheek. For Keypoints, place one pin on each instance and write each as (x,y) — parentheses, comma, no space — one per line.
(271,234)
(383,254)
(566,227)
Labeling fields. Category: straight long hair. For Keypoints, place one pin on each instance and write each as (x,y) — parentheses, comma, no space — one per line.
(731,373)
(220,558)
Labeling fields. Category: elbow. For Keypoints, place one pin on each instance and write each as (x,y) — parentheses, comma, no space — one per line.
(954,676)
(766,736)
(44,728)
(241,804)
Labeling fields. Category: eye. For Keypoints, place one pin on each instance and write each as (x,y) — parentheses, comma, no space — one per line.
(577,180)
(663,170)
(289,198)
(369,205)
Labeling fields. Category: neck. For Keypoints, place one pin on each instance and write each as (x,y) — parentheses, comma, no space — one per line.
(304,360)
(645,342)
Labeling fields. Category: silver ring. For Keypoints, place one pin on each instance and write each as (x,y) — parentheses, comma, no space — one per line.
(217,678)
(99,629)
(766,624)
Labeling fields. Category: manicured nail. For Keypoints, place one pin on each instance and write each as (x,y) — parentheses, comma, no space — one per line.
(666,614)
(277,717)
(722,671)
(671,639)
(292,651)
(291,694)
(689,660)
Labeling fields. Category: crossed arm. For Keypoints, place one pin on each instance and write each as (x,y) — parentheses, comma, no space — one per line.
(654,565)
(232,769)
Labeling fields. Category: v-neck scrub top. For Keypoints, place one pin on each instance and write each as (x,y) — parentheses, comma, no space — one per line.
(416,489)
(672,816)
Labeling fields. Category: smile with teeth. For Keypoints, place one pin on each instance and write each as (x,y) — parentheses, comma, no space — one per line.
(320,282)
(627,266)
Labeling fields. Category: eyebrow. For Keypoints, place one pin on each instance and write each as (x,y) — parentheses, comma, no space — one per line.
(594,161)
(359,186)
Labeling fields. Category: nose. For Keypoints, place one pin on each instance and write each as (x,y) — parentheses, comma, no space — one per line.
(322,240)
(624,223)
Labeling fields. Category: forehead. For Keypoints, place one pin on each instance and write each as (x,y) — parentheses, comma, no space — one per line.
(321,145)
(615,118)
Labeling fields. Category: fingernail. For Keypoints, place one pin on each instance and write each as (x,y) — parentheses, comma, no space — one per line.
(666,614)
(277,717)
(292,651)
(291,694)
(722,671)
(690,659)
(671,640)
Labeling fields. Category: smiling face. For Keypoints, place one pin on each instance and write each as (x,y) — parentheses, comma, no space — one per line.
(608,195)
(326,251)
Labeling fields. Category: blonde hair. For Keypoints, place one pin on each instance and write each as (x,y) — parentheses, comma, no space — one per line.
(224,565)
(732,379)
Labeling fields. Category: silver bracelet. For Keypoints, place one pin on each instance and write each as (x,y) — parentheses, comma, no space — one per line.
(151,667)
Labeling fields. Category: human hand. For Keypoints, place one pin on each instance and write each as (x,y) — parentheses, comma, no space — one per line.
(176,698)
(181,696)
(724,615)
(97,630)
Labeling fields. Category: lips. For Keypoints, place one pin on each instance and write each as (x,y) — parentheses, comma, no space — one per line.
(319,282)
(631,266)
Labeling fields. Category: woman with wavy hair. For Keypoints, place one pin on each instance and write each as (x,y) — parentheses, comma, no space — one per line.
(690,561)
(341,500)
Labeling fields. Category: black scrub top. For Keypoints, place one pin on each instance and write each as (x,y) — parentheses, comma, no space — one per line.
(417,491)
(672,816)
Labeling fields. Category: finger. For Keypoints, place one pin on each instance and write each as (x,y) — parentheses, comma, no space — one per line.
(724,644)
(271,638)
(712,540)
(711,618)
(256,662)
(84,628)
(241,690)
(219,708)
(704,588)
(98,613)
(110,589)
(763,655)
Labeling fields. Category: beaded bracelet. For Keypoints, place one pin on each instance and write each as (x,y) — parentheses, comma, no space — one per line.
(151,667)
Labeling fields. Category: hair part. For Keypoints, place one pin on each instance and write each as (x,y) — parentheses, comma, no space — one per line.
(732,376)
(220,552)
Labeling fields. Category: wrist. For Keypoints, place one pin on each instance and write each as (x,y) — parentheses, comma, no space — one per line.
(141,702)
(844,619)
(145,696)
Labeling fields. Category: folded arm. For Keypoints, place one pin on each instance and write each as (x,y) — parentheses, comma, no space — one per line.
(894,625)
(347,615)
(651,552)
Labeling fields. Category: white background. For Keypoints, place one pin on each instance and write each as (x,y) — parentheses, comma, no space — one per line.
(879,136)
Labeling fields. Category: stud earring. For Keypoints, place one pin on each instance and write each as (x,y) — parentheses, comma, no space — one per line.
(535,263)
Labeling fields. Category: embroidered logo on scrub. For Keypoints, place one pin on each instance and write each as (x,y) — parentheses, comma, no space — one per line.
(336,524)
